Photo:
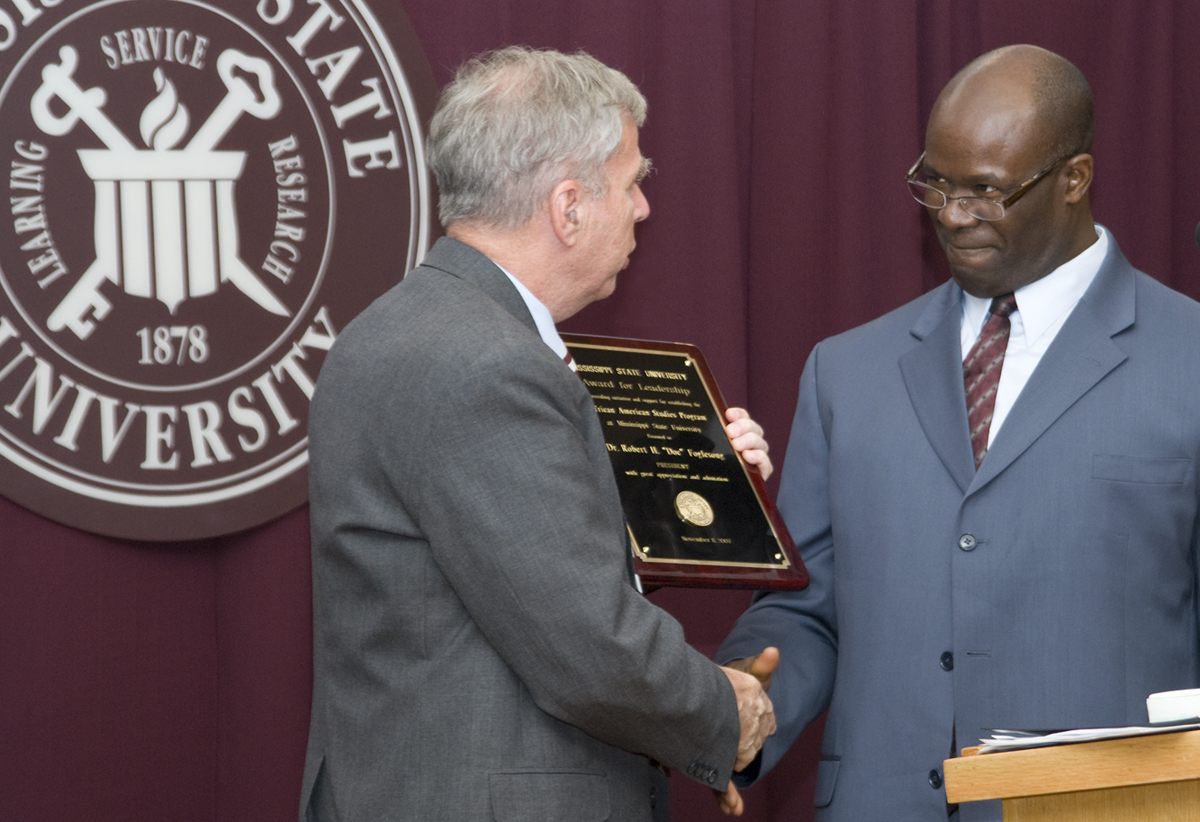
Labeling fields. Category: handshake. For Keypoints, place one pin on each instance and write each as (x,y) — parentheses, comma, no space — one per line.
(750,678)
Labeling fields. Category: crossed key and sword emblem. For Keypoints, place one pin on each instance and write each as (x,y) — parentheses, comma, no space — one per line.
(177,234)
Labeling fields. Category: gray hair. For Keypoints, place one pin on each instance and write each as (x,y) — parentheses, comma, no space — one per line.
(516,122)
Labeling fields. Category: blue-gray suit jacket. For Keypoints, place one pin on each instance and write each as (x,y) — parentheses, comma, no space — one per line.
(479,651)
(1054,588)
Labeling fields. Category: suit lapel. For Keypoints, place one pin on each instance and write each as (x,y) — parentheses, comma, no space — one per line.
(1080,356)
(932,373)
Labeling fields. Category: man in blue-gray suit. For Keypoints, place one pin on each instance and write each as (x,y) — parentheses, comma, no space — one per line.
(997,505)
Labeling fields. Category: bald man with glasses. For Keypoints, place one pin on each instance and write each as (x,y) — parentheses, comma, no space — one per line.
(994,487)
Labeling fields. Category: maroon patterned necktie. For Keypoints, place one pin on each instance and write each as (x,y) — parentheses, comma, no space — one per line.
(981,372)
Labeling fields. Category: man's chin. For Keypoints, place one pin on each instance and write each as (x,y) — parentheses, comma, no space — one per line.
(977,282)
(974,271)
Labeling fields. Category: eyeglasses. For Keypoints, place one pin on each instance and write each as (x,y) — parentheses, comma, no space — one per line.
(981,208)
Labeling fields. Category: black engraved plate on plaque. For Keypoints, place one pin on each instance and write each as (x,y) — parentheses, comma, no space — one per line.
(698,516)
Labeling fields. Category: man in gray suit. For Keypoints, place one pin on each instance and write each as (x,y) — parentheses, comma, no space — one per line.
(1029,562)
(480,649)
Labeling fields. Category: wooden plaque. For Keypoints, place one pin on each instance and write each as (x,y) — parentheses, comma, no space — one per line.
(698,516)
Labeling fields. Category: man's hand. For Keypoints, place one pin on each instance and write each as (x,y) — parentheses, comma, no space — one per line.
(760,667)
(730,801)
(755,712)
(747,438)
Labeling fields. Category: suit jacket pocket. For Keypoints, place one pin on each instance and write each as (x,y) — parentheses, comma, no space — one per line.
(1140,469)
(827,771)
(549,796)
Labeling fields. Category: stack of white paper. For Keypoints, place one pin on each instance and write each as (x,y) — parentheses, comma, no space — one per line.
(1001,740)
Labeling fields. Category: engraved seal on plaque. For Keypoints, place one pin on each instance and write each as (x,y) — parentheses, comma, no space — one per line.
(693,508)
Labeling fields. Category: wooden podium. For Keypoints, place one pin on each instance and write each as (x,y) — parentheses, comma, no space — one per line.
(1142,779)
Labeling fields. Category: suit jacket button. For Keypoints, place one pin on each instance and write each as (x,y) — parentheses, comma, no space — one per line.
(967,542)
(935,780)
(947,661)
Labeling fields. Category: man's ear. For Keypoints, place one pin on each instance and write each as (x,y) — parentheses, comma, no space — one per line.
(1079,177)
(568,211)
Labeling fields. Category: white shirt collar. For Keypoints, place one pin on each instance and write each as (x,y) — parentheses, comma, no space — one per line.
(541,315)
(1043,302)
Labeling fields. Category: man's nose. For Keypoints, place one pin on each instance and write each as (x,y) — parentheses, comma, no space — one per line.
(641,206)
(954,215)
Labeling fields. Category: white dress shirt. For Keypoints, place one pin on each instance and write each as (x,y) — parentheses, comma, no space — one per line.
(541,316)
(1042,308)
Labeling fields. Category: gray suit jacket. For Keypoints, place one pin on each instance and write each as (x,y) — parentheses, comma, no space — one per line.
(1055,588)
(479,650)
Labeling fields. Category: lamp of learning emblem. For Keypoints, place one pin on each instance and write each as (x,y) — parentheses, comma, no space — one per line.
(165,222)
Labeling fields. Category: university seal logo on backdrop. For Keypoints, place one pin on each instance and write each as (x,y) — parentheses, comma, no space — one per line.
(201,195)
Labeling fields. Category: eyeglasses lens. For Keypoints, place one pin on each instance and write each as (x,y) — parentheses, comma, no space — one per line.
(977,207)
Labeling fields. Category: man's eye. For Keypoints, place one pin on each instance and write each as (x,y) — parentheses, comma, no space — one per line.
(983,189)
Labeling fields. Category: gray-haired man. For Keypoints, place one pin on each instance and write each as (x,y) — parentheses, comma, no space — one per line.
(480,652)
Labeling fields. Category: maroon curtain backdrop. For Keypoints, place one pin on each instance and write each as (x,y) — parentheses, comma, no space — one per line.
(171,681)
